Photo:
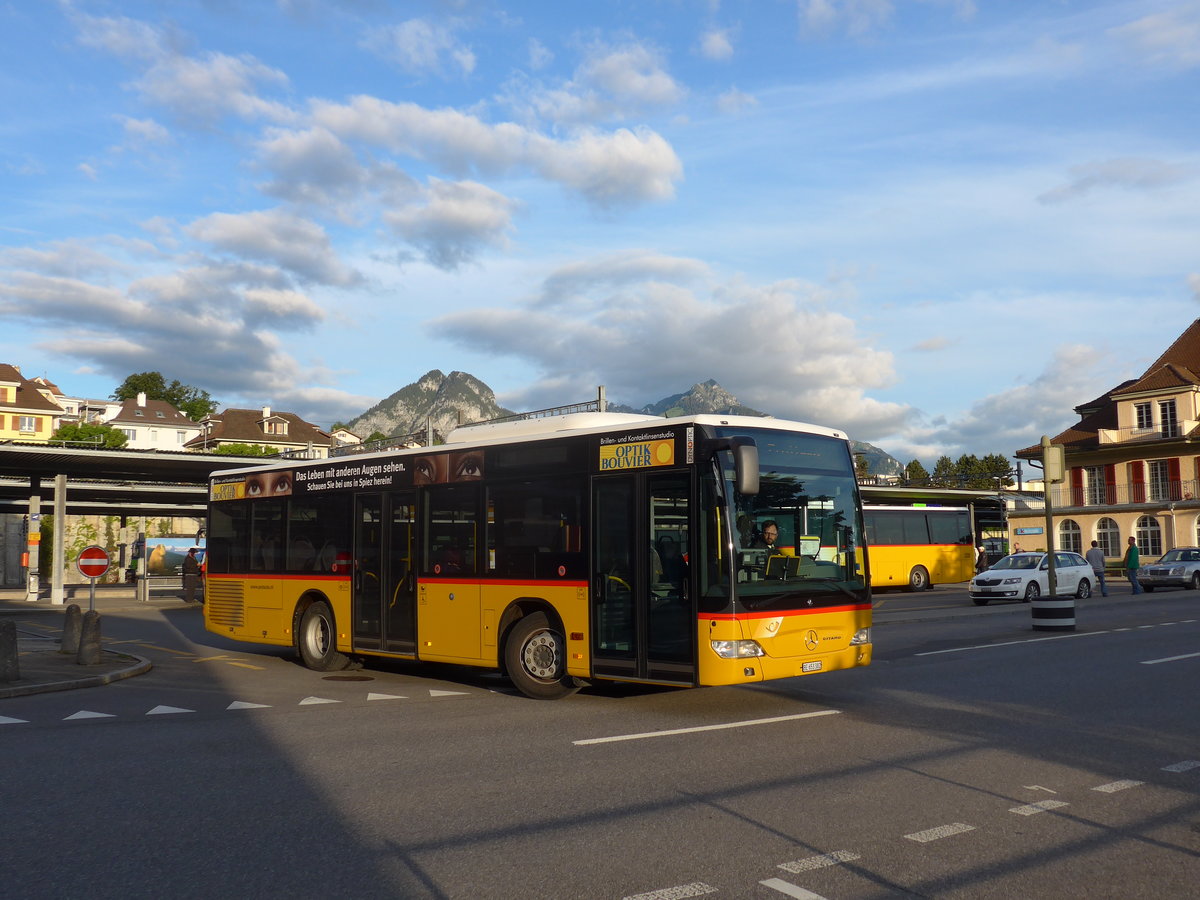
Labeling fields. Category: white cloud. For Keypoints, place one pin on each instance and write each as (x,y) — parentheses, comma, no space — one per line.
(1171,38)
(857,17)
(298,245)
(716,44)
(635,320)
(539,55)
(419,46)
(454,220)
(141,132)
(620,168)
(1134,174)
(734,101)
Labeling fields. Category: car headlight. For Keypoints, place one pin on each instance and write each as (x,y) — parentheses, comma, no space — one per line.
(862,636)
(1178,570)
(1012,580)
(737,649)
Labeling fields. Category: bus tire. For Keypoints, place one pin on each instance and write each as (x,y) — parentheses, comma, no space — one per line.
(918,579)
(316,640)
(535,656)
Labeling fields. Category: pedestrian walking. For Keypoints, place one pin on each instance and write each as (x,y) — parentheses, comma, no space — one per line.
(1132,563)
(191,576)
(1095,558)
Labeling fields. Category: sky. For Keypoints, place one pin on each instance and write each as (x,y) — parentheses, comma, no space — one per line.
(938,225)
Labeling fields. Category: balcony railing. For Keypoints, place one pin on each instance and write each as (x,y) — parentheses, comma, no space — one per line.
(1164,432)
(1149,494)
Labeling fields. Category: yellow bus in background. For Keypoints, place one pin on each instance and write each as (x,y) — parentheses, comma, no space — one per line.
(916,547)
(558,549)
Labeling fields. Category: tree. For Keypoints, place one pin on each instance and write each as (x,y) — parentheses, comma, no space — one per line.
(862,466)
(996,468)
(914,473)
(943,473)
(244,450)
(376,436)
(104,436)
(191,401)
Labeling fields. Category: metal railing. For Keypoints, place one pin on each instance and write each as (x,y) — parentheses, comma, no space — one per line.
(1163,432)
(1063,497)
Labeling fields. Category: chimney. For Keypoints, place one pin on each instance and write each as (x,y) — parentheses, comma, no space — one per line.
(266,412)
(141,398)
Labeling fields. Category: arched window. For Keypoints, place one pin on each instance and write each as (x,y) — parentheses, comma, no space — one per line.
(1069,536)
(1109,536)
(1149,536)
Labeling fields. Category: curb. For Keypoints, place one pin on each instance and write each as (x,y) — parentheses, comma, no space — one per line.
(140,666)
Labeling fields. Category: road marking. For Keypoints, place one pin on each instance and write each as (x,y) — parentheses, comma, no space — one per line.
(1114,786)
(1154,662)
(309,701)
(679,892)
(385,697)
(88,714)
(167,711)
(1053,637)
(433,693)
(1038,787)
(242,704)
(242,665)
(1185,766)
(942,831)
(786,887)
(1041,806)
(698,728)
(165,649)
(5,720)
(819,862)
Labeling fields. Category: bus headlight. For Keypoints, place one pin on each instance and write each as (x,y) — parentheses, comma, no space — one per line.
(737,649)
(862,636)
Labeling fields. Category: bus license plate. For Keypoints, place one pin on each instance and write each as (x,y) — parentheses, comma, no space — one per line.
(811,667)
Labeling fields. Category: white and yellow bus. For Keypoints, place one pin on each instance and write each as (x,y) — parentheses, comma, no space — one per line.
(916,547)
(559,550)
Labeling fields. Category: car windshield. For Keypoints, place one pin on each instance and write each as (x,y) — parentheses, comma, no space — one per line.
(1180,556)
(1024,561)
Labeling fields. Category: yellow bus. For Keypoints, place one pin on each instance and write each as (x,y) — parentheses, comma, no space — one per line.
(916,547)
(559,550)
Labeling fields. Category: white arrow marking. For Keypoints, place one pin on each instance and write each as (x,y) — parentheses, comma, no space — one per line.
(1038,787)
(167,711)
(791,890)
(5,720)
(88,714)
(242,704)
(447,693)
(385,697)
(309,701)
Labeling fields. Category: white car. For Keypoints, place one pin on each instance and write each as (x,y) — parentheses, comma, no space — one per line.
(1026,576)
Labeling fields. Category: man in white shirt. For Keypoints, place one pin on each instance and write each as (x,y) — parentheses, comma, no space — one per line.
(1095,558)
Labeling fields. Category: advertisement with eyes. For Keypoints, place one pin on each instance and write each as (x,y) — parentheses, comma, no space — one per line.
(442,468)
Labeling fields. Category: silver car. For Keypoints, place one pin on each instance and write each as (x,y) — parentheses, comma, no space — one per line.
(1026,576)
(1177,568)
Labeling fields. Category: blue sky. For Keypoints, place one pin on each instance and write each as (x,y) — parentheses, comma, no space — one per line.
(937,224)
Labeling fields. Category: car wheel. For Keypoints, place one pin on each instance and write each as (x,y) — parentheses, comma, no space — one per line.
(1196,582)
(1148,588)
(1032,592)
(1084,590)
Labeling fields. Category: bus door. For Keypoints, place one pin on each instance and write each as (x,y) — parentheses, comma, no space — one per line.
(643,614)
(384,610)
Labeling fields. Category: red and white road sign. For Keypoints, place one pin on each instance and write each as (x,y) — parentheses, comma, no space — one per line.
(92,562)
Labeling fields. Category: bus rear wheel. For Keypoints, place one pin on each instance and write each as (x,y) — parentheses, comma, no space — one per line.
(535,656)
(316,640)
(918,579)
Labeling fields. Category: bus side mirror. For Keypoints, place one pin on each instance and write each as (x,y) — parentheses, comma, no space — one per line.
(745,465)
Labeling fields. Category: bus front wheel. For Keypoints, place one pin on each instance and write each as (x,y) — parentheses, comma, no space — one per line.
(535,655)
(918,579)
(317,640)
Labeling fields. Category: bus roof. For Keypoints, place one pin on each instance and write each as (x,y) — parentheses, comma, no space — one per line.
(520,430)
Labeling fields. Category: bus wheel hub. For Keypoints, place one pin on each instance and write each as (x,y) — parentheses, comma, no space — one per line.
(541,656)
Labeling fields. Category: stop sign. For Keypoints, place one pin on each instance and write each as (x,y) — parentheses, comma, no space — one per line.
(93,561)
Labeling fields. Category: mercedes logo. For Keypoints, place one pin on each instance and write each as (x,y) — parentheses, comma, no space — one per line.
(811,640)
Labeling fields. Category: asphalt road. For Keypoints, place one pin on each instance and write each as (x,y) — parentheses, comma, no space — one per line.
(975,758)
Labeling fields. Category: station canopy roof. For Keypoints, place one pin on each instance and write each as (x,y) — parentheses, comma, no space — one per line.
(111,482)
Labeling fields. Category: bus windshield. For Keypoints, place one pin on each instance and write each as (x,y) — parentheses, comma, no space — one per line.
(798,540)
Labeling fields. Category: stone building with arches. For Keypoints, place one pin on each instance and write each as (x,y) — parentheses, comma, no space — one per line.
(1133,464)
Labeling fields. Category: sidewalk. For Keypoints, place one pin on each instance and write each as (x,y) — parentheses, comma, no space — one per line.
(41,665)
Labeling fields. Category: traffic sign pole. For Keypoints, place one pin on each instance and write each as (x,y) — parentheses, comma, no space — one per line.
(92,563)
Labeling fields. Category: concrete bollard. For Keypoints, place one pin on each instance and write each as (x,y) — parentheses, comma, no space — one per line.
(71,627)
(1054,613)
(89,640)
(10,666)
